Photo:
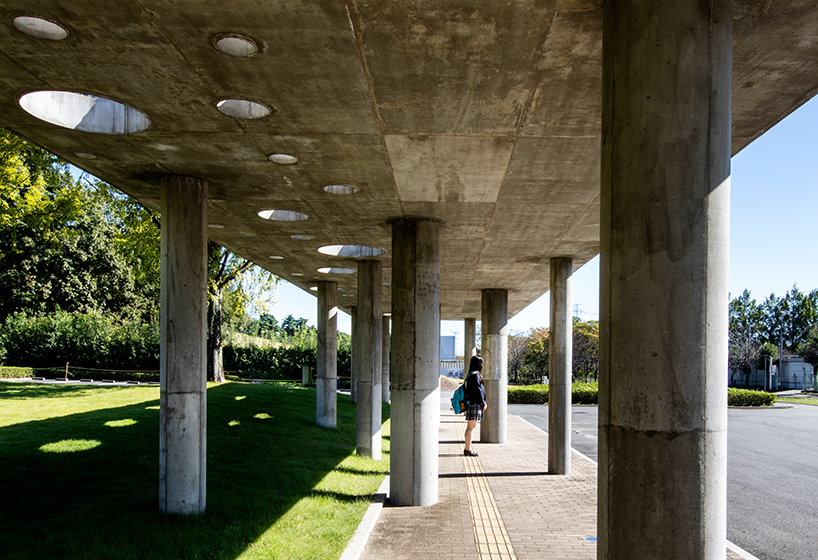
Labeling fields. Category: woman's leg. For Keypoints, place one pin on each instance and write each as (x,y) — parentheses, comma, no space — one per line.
(469,429)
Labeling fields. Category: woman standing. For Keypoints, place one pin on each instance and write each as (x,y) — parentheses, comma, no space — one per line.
(476,397)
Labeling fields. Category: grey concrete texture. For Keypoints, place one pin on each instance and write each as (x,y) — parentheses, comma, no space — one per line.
(183,332)
(663,366)
(560,376)
(326,399)
(486,117)
(385,344)
(369,356)
(415,410)
(495,365)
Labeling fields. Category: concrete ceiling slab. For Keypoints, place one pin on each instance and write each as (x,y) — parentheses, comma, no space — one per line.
(484,115)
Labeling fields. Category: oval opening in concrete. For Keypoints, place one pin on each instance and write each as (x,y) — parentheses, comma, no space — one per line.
(283,215)
(236,45)
(40,28)
(283,159)
(336,270)
(87,113)
(242,109)
(355,251)
(341,189)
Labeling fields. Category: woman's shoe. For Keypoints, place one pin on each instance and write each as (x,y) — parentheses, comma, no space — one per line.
(470,453)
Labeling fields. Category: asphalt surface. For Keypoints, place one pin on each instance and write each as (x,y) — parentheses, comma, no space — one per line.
(772,473)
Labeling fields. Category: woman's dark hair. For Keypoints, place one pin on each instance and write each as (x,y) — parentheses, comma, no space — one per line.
(475,364)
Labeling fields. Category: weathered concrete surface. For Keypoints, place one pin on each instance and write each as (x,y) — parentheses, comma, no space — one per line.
(326,400)
(353,354)
(183,333)
(560,351)
(664,299)
(369,335)
(486,117)
(494,426)
(415,369)
(385,344)
(469,343)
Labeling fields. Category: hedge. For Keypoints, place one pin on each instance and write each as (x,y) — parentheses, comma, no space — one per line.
(746,397)
(581,393)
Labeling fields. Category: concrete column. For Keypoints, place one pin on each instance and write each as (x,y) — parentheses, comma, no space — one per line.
(369,334)
(469,343)
(494,427)
(353,365)
(560,345)
(385,361)
(183,355)
(666,120)
(415,362)
(327,367)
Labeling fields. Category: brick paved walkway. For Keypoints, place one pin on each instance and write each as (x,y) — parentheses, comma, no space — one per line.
(500,506)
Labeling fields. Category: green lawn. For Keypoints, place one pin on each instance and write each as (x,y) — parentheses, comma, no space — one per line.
(80,475)
(812,401)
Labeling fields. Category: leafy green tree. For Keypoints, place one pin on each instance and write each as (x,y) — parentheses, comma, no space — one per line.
(537,356)
(233,285)
(56,243)
(585,350)
(809,349)
(517,350)
(291,326)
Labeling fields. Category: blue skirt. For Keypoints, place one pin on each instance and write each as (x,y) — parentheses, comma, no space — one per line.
(474,412)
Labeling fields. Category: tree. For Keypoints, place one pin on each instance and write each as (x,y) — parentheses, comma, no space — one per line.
(745,318)
(517,350)
(233,285)
(292,326)
(585,350)
(56,243)
(809,349)
(537,356)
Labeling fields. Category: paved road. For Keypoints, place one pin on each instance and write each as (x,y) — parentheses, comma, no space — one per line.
(772,475)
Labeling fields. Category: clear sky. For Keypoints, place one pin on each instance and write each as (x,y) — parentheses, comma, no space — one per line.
(774,210)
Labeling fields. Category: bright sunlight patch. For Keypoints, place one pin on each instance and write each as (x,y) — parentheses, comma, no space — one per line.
(234,423)
(70,445)
(262,416)
(120,423)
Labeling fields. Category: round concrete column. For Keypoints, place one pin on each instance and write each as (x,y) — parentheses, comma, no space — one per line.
(183,356)
(494,427)
(369,356)
(415,362)
(664,242)
(560,345)
(385,361)
(469,342)
(353,364)
(326,400)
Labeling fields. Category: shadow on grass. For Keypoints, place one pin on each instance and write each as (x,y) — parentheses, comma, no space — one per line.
(264,454)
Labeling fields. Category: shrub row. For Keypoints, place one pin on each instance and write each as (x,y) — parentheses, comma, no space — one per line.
(581,393)
(746,397)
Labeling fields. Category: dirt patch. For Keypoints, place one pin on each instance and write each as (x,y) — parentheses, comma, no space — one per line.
(449,384)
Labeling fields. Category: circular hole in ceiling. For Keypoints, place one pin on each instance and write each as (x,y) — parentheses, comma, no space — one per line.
(40,28)
(340,189)
(360,251)
(297,274)
(85,155)
(242,108)
(313,288)
(336,270)
(283,215)
(236,45)
(283,159)
(87,113)
(215,226)
(301,237)
(275,257)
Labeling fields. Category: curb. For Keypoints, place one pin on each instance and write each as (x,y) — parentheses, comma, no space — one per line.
(356,544)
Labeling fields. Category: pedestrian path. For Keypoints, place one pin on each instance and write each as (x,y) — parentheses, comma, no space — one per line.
(502,505)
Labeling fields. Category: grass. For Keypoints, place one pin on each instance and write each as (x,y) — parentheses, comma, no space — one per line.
(812,401)
(80,475)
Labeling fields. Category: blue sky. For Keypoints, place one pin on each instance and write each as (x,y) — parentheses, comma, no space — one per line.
(774,208)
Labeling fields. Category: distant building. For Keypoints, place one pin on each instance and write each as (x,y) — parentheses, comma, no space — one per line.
(795,373)
(449,366)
